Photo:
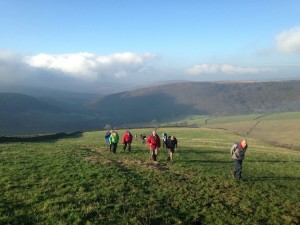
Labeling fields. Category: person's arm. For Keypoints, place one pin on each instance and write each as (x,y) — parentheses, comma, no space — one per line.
(233,148)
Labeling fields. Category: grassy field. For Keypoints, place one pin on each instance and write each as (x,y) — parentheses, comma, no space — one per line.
(78,181)
(281,129)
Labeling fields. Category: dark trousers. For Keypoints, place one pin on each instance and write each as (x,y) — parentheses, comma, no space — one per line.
(238,168)
(114,145)
(109,146)
(153,154)
(125,146)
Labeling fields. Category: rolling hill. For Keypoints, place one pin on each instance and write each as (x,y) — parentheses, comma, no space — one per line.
(173,100)
(22,114)
(25,114)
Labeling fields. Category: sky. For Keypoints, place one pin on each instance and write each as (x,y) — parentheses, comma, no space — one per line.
(111,45)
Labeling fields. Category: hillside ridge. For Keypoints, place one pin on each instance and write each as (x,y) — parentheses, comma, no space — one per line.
(24,114)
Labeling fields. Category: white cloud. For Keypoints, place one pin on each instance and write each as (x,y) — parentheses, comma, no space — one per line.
(91,66)
(76,72)
(289,41)
(224,69)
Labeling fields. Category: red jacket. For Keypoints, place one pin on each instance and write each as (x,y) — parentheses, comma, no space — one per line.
(153,141)
(127,137)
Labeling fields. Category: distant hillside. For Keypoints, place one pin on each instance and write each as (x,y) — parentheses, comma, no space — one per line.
(24,114)
(13,102)
(173,100)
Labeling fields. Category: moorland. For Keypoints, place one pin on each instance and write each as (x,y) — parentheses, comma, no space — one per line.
(76,180)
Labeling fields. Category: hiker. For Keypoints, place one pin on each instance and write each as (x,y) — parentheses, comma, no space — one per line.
(107,135)
(113,140)
(238,151)
(126,140)
(144,138)
(171,145)
(153,142)
(164,137)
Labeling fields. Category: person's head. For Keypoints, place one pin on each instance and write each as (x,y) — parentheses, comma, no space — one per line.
(243,143)
(172,137)
(154,133)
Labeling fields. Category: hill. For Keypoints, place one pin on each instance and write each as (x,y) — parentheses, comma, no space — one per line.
(169,101)
(14,102)
(78,181)
(23,114)
(280,129)
(50,111)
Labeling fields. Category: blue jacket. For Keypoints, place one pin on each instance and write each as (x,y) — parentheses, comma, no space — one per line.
(107,135)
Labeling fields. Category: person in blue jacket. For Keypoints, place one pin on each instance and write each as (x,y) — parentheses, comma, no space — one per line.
(107,135)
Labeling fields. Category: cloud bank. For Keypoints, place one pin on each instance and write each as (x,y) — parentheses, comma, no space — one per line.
(85,72)
(224,69)
(289,41)
(90,66)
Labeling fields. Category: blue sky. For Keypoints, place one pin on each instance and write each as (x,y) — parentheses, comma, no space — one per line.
(91,44)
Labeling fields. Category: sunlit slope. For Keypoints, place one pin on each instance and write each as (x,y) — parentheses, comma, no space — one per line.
(276,128)
(78,181)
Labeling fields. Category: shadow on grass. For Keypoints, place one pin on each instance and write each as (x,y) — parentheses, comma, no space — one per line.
(199,152)
(48,138)
(272,161)
(272,178)
(11,207)
(205,161)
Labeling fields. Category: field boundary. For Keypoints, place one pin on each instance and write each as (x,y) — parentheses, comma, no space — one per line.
(9,139)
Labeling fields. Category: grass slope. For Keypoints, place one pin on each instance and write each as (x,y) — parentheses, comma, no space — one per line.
(276,128)
(77,181)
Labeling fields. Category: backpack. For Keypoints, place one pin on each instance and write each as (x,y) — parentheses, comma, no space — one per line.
(107,135)
(233,150)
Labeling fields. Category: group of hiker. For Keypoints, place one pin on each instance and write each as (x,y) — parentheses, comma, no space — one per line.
(112,139)
(153,141)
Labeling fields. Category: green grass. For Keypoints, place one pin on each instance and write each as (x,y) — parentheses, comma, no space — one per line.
(281,129)
(77,181)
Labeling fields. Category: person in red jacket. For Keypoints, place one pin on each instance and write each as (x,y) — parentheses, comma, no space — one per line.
(153,142)
(126,140)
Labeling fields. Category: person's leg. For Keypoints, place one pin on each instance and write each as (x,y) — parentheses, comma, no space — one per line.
(239,173)
(129,146)
(238,169)
(152,154)
(125,146)
(114,147)
(155,154)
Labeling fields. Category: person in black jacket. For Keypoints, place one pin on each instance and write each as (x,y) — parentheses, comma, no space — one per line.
(171,145)
(238,151)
